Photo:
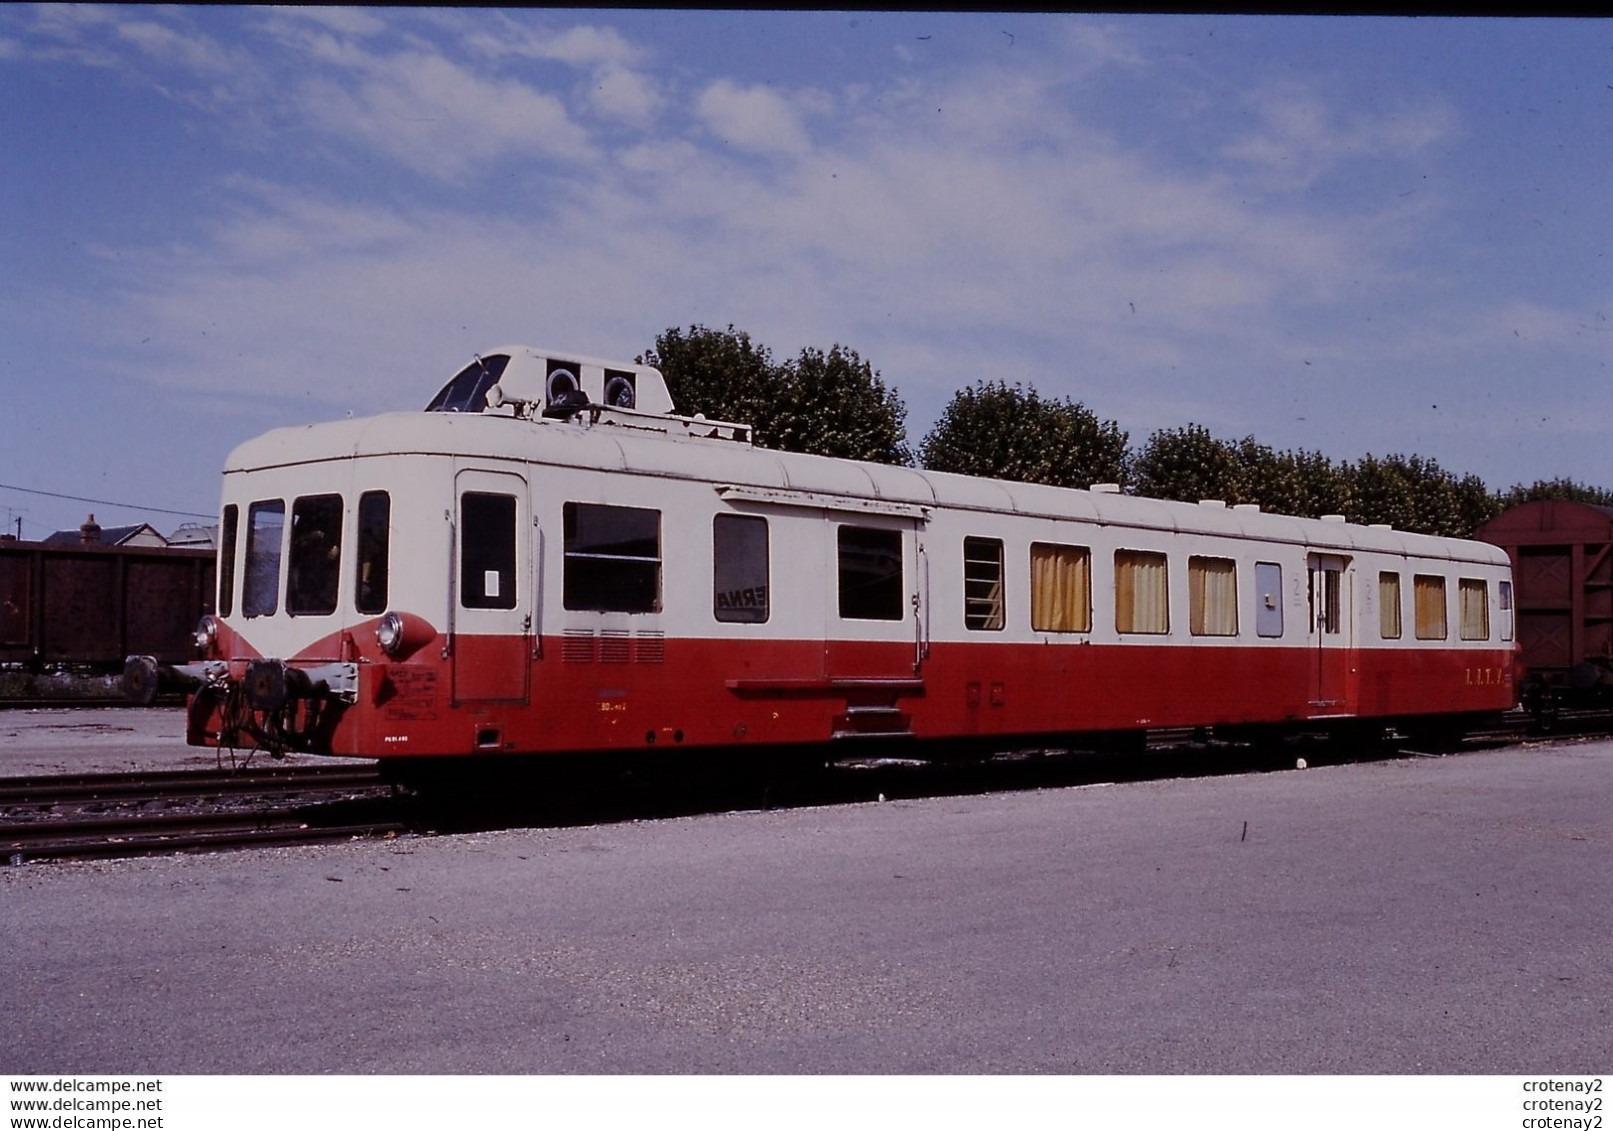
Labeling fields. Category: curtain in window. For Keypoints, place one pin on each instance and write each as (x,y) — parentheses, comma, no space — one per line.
(1061,588)
(1428,595)
(1141,598)
(1212,591)
(1389,606)
(1473,596)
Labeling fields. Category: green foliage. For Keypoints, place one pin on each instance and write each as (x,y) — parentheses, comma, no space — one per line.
(832,404)
(1407,492)
(718,374)
(1294,482)
(1188,464)
(1476,504)
(1004,432)
(1556,489)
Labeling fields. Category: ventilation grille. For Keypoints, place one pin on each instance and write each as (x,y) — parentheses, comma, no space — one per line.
(615,646)
(651,647)
(577,646)
(612,646)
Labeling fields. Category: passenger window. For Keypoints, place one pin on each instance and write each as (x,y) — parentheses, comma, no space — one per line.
(870,573)
(265,522)
(1142,598)
(739,568)
(1504,596)
(1389,605)
(374,547)
(1473,597)
(1268,599)
(1061,588)
(487,551)
(1212,597)
(612,559)
(316,555)
(226,560)
(983,583)
(1428,597)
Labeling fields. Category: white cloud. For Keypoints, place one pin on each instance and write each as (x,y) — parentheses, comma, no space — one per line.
(580,46)
(1301,137)
(345,21)
(440,118)
(752,118)
(625,96)
(165,44)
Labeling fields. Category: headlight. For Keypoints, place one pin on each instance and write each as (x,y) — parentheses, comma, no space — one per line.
(389,634)
(206,635)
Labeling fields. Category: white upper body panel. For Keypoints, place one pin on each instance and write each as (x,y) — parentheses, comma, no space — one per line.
(610,447)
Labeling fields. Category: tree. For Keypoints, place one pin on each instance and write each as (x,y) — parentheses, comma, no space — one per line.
(1416,494)
(1555,489)
(1004,432)
(715,373)
(1303,483)
(1188,464)
(835,404)
(1475,503)
(832,403)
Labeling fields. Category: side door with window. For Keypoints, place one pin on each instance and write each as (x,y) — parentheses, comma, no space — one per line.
(493,600)
(1332,633)
(877,604)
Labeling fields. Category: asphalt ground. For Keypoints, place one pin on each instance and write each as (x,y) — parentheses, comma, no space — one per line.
(1419,915)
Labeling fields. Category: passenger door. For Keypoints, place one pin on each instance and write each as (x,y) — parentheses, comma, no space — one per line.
(1331,633)
(876,606)
(876,634)
(492,600)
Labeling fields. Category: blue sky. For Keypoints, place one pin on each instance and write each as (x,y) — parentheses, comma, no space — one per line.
(1347,234)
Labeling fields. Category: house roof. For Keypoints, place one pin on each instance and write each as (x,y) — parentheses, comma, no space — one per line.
(111,535)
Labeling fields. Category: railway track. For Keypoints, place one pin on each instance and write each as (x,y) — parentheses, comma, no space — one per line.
(105,815)
(109,815)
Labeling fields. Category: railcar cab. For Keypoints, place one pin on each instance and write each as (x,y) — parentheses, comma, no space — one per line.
(521,381)
(388,560)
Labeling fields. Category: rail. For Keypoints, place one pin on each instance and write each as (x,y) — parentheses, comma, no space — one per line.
(106,815)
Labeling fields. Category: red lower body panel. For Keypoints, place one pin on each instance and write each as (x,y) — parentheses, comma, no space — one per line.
(720,693)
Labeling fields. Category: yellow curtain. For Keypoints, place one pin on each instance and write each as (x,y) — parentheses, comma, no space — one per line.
(1389,606)
(1474,598)
(1142,601)
(1428,595)
(1212,593)
(1061,588)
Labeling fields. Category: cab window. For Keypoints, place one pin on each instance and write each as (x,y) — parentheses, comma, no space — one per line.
(226,560)
(374,548)
(260,591)
(316,555)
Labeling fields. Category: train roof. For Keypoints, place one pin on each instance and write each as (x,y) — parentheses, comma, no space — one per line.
(741,472)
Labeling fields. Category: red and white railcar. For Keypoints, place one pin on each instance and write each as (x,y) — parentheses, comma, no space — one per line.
(534,565)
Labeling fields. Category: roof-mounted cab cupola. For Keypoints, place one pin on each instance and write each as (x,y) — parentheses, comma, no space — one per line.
(524,381)
(532,384)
